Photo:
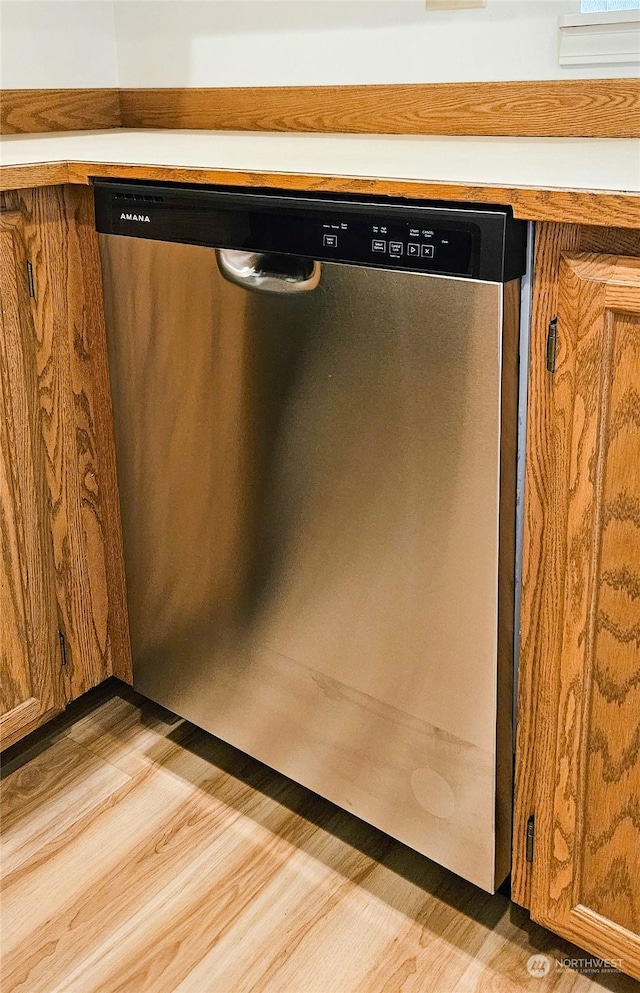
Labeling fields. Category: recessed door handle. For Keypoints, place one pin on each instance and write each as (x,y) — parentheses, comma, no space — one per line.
(267,272)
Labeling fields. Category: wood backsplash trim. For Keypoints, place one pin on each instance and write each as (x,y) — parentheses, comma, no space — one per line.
(38,111)
(588,108)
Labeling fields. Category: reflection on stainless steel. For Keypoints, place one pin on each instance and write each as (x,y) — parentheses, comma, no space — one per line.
(310,494)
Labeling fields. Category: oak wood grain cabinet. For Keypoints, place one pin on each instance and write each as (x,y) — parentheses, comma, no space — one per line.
(31,682)
(63,580)
(578,752)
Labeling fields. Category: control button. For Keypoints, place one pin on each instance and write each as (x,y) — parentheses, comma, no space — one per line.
(378,246)
(396,248)
(330,240)
(428,251)
(413,248)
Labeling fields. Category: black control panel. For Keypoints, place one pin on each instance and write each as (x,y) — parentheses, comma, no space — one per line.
(477,243)
(423,244)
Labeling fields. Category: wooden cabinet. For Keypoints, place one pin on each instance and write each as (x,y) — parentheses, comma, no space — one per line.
(578,754)
(31,683)
(63,578)
(578,747)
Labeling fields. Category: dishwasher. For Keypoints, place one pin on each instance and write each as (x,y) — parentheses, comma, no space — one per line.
(315,409)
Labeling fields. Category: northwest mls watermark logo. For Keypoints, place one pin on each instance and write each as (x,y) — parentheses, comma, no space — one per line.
(590,965)
(540,965)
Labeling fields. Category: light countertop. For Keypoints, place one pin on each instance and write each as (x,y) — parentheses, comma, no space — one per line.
(580,164)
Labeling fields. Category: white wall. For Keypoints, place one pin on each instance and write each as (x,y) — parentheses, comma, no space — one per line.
(298,42)
(49,44)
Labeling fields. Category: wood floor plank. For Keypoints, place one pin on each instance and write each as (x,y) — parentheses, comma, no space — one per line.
(500,963)
(33,900)
(120,733)
(274,905)
(169,845)
(159,945)
(305,937)
(41,803)
(183,866)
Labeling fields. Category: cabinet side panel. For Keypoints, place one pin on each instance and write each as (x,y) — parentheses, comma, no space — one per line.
(72,386)
(91,366)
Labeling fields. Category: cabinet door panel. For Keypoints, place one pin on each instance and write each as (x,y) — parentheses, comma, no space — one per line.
(586,876)
(30,677)
(15,678)
(611,858)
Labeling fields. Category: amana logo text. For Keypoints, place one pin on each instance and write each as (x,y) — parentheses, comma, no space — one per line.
(135,217)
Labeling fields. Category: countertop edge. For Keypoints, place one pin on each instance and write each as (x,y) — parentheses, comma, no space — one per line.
(611,208)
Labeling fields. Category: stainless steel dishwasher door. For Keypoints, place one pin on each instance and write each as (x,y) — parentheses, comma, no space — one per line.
(310,493)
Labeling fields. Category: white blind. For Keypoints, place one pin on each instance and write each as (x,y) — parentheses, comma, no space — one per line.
(594,6)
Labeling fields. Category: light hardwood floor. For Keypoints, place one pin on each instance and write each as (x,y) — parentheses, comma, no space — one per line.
(141,855)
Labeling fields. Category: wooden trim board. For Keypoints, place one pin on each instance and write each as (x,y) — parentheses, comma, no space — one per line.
(37,111)
(589,108)
(593,207)
(31,176)
(619,209)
